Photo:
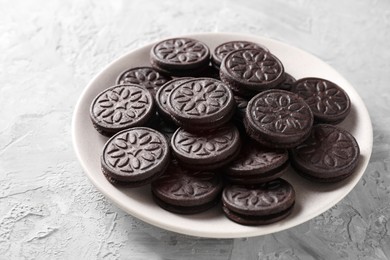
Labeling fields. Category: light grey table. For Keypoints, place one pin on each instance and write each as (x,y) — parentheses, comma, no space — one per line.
(49,50)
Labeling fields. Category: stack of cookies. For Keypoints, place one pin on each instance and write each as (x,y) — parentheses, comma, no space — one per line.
(206,127)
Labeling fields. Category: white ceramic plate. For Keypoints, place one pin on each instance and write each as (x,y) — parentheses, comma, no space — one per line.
(311,199)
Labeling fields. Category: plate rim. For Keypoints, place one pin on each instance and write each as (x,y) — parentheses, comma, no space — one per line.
(101,188)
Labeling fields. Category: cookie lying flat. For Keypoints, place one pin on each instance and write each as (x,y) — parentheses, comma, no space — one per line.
(257,164)
(208,150)
(330,154)
(201,104)
(223,49)
(278,118)
(147,77)
(183,191)
(180,57)
(120,107)
(250,71)
(329,103)
(135,157)
(259,204)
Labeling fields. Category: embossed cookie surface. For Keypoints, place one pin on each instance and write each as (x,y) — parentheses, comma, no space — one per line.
(202,103)
(163,93)
(328,102)
(180,54)
(257,164)
(279,117)
(134,155)
(121,107)
(260,204)
(147,77)
(222,50)
(179,186)
(253,70)
(208,150)
(329,154)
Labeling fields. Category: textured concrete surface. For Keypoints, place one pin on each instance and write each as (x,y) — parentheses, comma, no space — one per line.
(49,50)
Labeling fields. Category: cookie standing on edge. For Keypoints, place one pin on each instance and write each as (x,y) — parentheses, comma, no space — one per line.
(208,150)
(135,157)
(201,104)
(162,96)
(258,204)
(145,76)
(180,57)
(278,118)
(120,107)
(184,191)
(250,71)
(330,154)
(257,164)
(329,103)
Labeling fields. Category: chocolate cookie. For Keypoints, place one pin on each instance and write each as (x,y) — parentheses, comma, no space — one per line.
(120,107)
(328,102)
(241,104)
(257,164)
(223,49)
(201,104)
(147,77)
(206,151)
(287,83)
(184,191)
(250,71)
(162,96)
(135,157)
(180,56)
(278,118)
(259,204)
(330,154)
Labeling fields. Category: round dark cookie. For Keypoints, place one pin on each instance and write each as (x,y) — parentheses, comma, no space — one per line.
(135,156)
(241,104)
(257,164)
(223,49)
(287,83)
(328,102)
(162,96)
(120,107)
(330,154)
(258,204)
(201,104)
(147,77)
(250,71)
(185,191)
(207,150)
(278,118)
(179,54)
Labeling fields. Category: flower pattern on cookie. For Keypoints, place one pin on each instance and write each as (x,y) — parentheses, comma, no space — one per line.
(281,112)
(323,97)
(181,50)
(164,92)
(201,146)
(135,151)
(254,156)
(259,197)
(144,76)
(256,66)
(122,105)
(223,49)
(327,147)
(184,183)
(199,97)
